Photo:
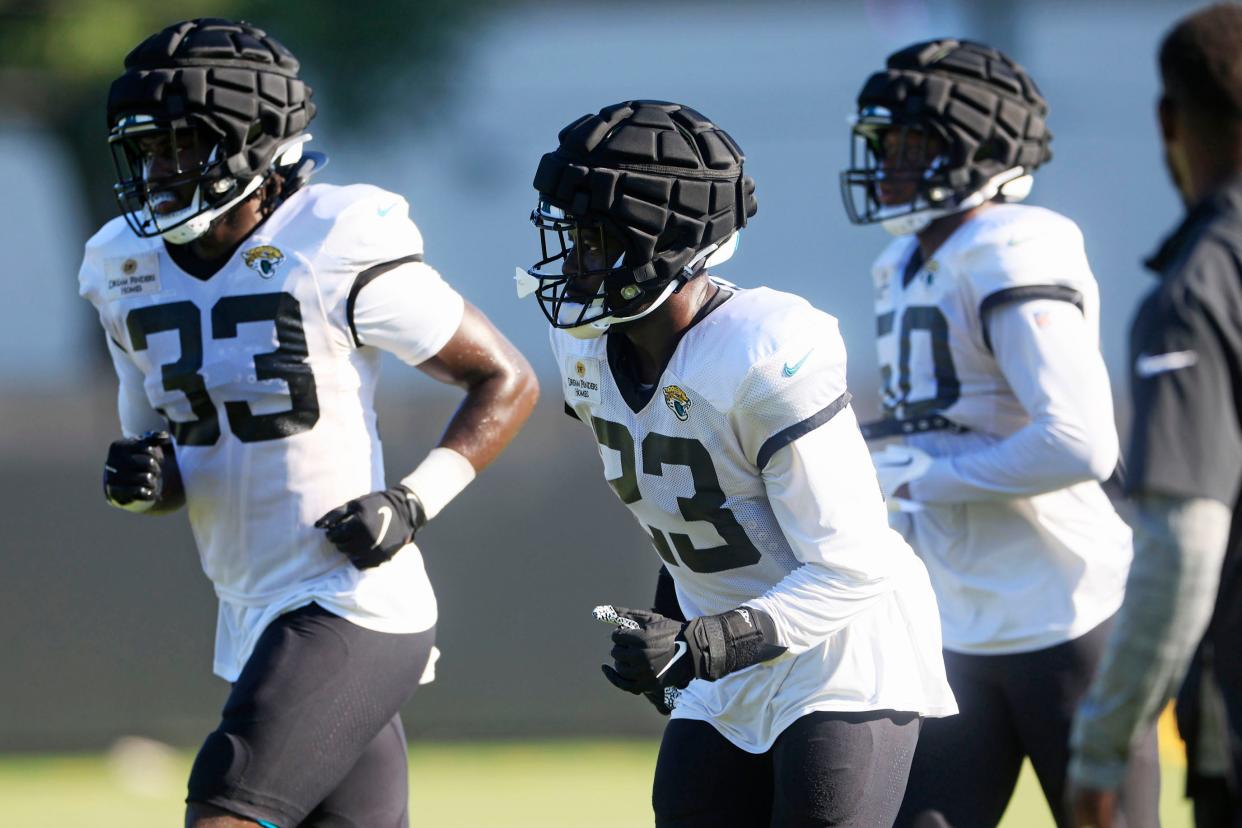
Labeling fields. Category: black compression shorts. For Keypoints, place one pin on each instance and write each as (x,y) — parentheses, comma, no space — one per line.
(311,732)
(827,768)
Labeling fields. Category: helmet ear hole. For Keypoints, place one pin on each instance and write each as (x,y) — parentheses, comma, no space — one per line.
(993,149)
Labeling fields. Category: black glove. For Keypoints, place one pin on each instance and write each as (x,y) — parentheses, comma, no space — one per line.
(370,529)
(663,653)
(141,475)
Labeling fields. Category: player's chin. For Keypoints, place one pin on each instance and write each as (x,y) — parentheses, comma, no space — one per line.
(894,196)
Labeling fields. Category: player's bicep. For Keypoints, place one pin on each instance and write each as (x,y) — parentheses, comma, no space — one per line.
(823,491)
(134,409)
(404,307)
(1050,358)
(476,351)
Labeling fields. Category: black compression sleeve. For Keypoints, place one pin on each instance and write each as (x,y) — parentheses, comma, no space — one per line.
(666,597)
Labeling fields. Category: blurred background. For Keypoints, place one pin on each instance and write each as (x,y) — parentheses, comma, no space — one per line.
(106,621)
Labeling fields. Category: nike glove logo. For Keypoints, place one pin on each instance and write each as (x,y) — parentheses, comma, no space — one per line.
(1149,365)
(383,211)
(790,370)
(679,651)
(385,512)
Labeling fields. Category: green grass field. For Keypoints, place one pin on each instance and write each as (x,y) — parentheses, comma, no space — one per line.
(601,784)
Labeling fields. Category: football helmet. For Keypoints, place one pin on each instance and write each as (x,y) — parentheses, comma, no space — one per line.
(979,109)
(203,112)
(636,200)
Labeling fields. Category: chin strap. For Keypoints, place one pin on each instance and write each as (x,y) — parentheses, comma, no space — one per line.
(289,154)
(1011,186)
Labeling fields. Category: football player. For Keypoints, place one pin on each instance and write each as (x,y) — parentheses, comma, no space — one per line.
(802,629)
(245,310)
(992,381)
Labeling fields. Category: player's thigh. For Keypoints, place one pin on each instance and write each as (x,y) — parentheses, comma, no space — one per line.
(703,780)
(376,792)
(965,766)
(310,700)
(842,769)
(1044,688)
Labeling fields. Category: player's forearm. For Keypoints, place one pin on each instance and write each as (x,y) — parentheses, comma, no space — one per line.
(812,602)
(1043,456)
(1049,357)
(1179,546)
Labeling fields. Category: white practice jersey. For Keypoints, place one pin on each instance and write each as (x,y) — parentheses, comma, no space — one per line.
(999,333)
(745,466)
(265,374)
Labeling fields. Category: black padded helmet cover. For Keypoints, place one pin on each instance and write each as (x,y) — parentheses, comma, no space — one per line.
(658,175)
(986,107)
(230,77)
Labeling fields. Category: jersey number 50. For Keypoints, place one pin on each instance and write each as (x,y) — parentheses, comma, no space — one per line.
(707,504)
(286,363)
(927,318)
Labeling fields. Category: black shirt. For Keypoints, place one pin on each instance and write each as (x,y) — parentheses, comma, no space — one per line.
(1186,381)
(1186,359)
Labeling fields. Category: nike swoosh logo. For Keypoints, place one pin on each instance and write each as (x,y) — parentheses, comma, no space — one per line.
(895,465)
(1149,365)
(680,651)
(386,513)
(790,370)
(383,211)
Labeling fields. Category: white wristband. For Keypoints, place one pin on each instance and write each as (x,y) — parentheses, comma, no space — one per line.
(438,479)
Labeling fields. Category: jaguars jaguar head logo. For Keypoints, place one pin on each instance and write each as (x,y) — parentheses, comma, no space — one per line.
(263,259)
(580,369)
(677,400)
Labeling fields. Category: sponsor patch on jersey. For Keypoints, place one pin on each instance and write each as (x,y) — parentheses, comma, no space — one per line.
(132,275)
(582,380)
(263,260)
(677,401)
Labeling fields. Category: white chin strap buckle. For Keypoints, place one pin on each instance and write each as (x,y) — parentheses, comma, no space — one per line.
(1012,185)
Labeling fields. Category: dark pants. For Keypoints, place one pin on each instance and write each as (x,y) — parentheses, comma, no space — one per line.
(310,734)
(1215,804)
(845,769)
(1013,707)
